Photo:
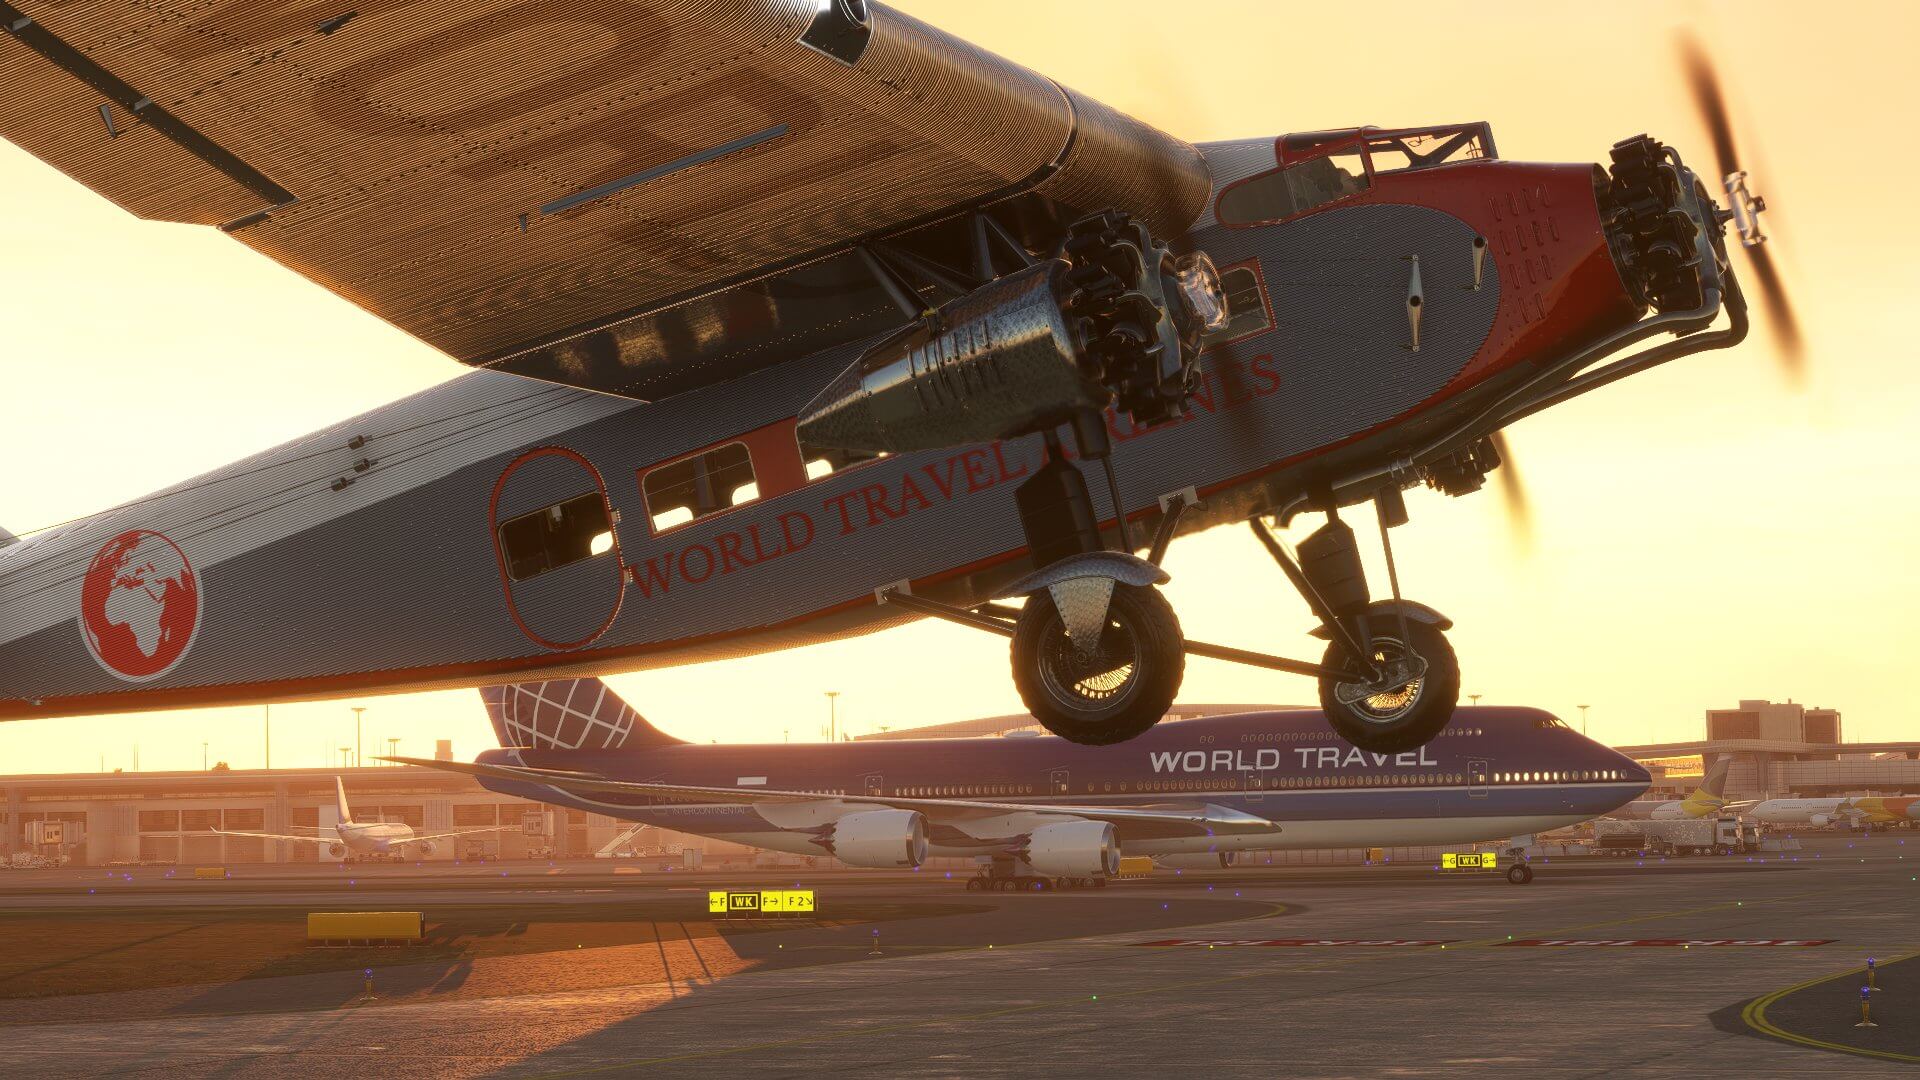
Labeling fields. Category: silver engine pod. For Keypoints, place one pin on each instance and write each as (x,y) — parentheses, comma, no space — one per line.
(1112,319)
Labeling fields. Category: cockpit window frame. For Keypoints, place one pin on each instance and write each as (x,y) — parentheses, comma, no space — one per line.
(1341,142)
(1297,148)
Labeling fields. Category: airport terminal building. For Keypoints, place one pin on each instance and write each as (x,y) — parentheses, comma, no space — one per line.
(1780,749)
(167,817)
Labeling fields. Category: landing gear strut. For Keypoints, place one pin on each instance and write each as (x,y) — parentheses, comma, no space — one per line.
(1098,654)
(1402,680)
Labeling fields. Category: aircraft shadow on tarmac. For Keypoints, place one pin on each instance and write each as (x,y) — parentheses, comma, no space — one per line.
(1002,921)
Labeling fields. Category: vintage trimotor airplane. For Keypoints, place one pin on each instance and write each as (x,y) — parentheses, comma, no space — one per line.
(804,321)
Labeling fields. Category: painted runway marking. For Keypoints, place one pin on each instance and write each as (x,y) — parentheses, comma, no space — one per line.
(1667,942)
(1299,942)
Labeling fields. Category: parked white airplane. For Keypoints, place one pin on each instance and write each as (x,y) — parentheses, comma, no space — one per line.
(362,838)
(1817,813)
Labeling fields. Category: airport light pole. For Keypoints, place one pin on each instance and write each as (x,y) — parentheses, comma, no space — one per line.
(344,751)
(357,710)
(1475,698)
(266,729)
(393,746)
(203,756)
(833,717)
(1583,718)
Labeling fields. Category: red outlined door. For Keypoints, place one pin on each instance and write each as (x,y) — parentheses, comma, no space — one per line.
(557,548)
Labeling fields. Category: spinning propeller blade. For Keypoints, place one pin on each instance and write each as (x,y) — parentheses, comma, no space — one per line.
(1711,100)
(1513,493)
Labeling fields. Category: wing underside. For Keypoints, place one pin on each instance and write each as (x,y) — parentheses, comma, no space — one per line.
(525,184)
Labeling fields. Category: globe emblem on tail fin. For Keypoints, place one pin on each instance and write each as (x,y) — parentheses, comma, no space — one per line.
(139,606)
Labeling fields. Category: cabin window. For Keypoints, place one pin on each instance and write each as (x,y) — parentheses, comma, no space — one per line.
(824,461)
(556,536)
(1294,189)
(1247,312)
(694,487)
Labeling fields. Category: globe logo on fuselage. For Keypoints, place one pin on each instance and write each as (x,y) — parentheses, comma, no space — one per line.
(139,606)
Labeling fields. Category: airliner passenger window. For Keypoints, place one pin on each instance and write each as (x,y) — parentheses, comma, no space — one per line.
(694,487)
(555,536)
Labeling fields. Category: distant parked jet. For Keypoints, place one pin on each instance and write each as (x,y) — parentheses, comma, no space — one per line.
(1709,798)
(364,838)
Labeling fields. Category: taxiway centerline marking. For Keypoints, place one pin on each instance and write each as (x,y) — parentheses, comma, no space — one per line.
(1755,1017)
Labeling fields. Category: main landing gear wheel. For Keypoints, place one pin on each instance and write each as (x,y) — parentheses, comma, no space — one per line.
(1108,693)
(1399,718)
(1520,873)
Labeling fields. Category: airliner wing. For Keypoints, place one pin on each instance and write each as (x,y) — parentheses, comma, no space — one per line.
(277,836)
(1204,820)
(456,832)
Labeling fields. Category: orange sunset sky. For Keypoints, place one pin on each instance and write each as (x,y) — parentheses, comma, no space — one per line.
(1704,532)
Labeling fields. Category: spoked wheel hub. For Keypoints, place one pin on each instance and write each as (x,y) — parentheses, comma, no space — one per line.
(1108,681)
(1409,702)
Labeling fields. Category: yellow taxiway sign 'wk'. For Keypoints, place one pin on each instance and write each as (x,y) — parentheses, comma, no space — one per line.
(761,902)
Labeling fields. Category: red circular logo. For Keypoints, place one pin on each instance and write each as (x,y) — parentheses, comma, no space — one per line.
(139,606)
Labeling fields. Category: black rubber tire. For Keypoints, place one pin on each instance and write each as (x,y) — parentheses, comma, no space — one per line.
(1432,705)
(1520,874)
(973,884)
(1159,662)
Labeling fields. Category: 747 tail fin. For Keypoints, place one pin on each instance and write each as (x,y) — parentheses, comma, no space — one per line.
(568,714)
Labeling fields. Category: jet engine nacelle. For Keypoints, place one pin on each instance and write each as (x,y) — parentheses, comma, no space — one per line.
(428,847)
(879,838)
(1197,860)
(1819,821)
(337,850)
(1076,849)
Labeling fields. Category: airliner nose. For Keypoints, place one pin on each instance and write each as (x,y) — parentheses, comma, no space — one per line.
(1626,768)
(1617,766)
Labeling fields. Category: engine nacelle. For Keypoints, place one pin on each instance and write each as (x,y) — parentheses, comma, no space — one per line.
(1819,821)
(1196,860)
(428,847)
(879,838)
(337,850)
(1114,318)
(1078,849)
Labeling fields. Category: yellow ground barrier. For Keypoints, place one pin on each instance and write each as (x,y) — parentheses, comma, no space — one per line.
(340,927)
